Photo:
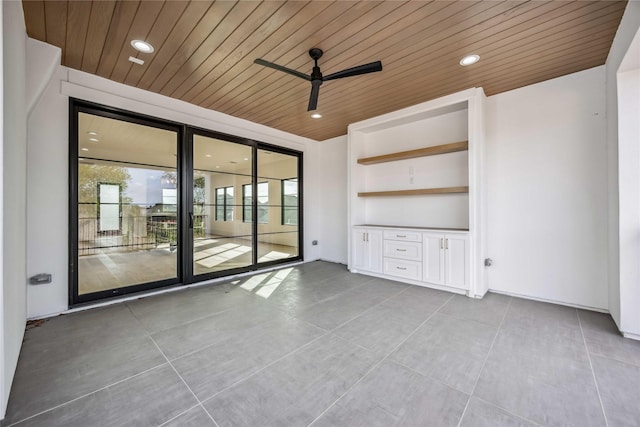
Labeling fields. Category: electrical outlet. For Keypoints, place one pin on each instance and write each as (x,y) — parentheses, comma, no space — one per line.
(411,180)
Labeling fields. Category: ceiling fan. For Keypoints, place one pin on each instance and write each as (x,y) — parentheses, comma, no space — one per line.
(316,78)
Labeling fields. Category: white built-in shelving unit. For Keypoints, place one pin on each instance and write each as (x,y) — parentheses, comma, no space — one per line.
(416,201)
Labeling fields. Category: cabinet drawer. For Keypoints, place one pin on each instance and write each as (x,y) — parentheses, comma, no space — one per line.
(402,235)
(405,250)
(401,268)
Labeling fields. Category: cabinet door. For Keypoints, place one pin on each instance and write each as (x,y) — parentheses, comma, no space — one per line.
(456,258)
(359,255)
(374,243)
(433,253)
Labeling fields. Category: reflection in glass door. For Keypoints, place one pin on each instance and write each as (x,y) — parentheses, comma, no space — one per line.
(126,209)
(222,231)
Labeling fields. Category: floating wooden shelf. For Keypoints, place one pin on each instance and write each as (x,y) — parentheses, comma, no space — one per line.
(420,152)
(417,192)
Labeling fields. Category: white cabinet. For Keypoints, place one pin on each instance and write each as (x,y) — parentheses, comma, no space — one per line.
(367,250)
(419,170)
(446,259)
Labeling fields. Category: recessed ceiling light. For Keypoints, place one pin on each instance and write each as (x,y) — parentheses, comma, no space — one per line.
(246,158)
(469,59)
(217,167)
(316,116)
(142,46)
(207,155)
(85,149)
(94,139)
(92,133)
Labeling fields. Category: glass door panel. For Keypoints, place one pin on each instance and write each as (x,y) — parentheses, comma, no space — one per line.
(127,206)
(222,226)
(278,207)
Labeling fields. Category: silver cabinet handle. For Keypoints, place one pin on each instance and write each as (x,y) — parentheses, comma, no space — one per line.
(441,244)
(401,250)
(446,243)
(401,235)
(401,268)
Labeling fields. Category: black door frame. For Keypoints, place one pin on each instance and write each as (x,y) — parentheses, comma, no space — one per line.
(184,147)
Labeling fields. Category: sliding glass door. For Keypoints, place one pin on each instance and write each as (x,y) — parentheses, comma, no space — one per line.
(222,238)
(125,215)
(245,210)
(278,206)
(155,204)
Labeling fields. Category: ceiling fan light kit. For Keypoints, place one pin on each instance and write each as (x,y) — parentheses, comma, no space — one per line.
(316,78)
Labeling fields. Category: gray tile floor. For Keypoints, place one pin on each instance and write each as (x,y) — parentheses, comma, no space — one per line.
(316,345)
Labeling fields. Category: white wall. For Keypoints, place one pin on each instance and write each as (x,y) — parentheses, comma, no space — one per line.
(547,190)
(14,156)
(48,169)
(333,196)
(627,29)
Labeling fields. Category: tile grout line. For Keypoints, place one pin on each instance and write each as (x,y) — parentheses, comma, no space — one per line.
(510,413)
(484,363)
(326,333)
(180,414)
(381,360)
(593,373)
(87,394)
(184,382)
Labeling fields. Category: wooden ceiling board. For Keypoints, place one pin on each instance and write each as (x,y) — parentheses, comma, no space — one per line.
(404,44)
(263,77)
(190,31)
(228,31)
(243,73)
(230,70)
(55,14)
(232,51)
(99,22)
(121,19)
(346,42)
(167,20)
(145,18)
(532,76)
(77,25)
(514,49)
(204,50)
(285,51)
(36,27)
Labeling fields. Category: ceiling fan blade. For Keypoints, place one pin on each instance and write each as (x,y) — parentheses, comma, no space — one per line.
(281,68)
(315,90)
(355,71)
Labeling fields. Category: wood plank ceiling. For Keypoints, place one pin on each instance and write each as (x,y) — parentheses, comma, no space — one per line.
(204,50)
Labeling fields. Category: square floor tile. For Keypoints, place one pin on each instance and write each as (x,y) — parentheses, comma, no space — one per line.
(383,327)
(544,379)
(392,395)
(296,389)
(490,309)
(145,400)
(603,338)
(483,414)
(340,309)
(619,385)
(216,367)
(52,375)
(195,417)
(448,349)
(192,336)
